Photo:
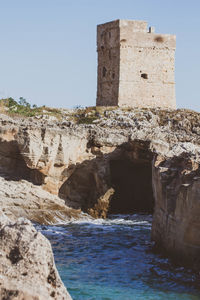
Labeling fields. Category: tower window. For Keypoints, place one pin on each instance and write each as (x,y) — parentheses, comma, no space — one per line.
(144,75)
(104,72)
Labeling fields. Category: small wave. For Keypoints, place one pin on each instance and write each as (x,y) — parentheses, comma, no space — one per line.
(109,222)
(50,229)
(135,219)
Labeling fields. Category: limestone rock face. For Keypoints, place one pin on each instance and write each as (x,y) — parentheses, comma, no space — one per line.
(24,199)
(102,206)
(27,268)
(73,161)
(176,221)
(108,166)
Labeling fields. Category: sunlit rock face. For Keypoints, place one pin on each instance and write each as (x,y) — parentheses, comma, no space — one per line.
(176,222)
(124,161)
(27,268)
(24,199)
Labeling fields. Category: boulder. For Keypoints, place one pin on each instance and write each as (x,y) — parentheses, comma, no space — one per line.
(27,268)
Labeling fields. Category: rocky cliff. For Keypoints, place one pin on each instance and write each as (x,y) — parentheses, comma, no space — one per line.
(121,162)
(27,268)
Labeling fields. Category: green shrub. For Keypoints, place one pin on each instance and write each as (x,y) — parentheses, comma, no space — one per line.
(23,107)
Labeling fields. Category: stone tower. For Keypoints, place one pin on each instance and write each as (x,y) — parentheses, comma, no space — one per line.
(135,66)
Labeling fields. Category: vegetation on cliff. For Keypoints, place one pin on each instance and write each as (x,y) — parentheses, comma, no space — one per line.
(180,119)
(23,108)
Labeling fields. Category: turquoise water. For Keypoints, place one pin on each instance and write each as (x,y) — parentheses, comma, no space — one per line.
(113,259)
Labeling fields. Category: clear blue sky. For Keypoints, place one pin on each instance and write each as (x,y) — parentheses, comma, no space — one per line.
(48,47)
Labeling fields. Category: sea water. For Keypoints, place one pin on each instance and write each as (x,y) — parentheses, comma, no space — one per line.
(114,259)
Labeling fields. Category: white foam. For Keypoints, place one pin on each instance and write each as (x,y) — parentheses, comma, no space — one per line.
(135,219)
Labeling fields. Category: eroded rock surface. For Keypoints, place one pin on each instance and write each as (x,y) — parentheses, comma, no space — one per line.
(73,161)
(27,268)
(24,199)
(176,219)
(111,165)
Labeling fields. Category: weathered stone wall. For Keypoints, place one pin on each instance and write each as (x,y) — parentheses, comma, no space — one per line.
(108,63)
(143,62)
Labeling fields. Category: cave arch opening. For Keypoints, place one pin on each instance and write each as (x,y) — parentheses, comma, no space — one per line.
(132,182)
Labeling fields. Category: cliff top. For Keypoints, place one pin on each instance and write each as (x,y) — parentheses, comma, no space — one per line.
(112,125)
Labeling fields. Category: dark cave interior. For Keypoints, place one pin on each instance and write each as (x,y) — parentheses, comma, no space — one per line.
(132,182)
